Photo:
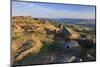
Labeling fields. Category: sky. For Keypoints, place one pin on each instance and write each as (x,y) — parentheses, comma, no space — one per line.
(51,10)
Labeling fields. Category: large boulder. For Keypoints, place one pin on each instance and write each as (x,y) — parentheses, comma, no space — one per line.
(71,44)
(73,48)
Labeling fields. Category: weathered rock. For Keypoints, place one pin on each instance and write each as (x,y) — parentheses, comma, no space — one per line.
(78,60)
(25,46)
(73,48)
(71,59)
(90,57)
(71,44)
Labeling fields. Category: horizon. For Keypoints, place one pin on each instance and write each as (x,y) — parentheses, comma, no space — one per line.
(51,10)
(54,18)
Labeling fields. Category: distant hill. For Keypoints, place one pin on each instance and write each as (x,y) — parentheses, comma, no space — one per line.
(72,21)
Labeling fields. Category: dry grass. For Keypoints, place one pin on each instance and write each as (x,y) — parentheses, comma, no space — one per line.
(22,33)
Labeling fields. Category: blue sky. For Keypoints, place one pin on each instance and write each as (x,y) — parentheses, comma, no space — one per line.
(46,10)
